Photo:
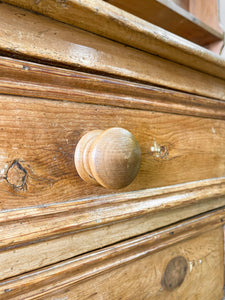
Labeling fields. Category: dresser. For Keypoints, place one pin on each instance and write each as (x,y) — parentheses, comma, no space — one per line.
(112,161)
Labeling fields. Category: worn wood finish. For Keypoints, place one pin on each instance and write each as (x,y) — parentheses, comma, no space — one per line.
(77,227)
(37,164)
(40,81)
(49,216)
(166,14)
(97,274)
(111,158)
(111,22)
(54,42)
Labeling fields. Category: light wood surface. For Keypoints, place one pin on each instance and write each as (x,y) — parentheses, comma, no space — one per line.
(51,42)
(77,227)
(37,162)
(199,241)
(110,158)
(44,135)
(206,11)
(111,22)
(40,81)
(166,14)
(55,228)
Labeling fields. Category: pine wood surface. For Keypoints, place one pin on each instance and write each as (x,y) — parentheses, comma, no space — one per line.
(34,37)
(37,161)
(44,204)
(168,15)
(138,265)
(111,22)
(34,178)
(29,79)
(77,227)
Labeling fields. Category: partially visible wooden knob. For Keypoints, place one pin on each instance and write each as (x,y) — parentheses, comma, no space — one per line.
(110,158)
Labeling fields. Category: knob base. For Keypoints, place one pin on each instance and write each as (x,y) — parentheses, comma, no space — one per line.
(81,156)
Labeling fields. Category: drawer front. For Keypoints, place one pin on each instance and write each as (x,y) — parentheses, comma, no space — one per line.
(38,140)
(154,266)
(190,270)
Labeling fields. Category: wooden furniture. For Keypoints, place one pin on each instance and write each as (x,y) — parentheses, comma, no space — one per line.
(145,112)
(196,21)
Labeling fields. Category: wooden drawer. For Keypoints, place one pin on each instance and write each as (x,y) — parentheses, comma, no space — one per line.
(46,205)
(38,139)
(182,261)
(181,136)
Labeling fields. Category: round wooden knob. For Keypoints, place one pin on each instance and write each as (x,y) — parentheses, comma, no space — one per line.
(110,158)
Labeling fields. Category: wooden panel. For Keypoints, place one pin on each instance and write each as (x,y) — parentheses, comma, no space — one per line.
(142,279)
(76,227)
(173,18)
(37,162)
(183,3)
(138,266)
(206,11)
(28,79)
(111,22)
(58,43)
(216,47)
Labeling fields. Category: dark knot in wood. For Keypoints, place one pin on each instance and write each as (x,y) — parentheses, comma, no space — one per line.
(175,273)
(16,175)
(164,152)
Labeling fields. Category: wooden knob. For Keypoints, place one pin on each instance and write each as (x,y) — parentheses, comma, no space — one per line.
(110,158)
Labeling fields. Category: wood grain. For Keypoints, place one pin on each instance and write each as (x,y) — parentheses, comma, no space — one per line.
(46,40)
(113,23)
(97,274)
(34,80)
(112,157)
(77,227)
(43,136)
(173,18)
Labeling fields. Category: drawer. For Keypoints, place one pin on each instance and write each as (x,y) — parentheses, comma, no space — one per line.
(184,261)
(45,205)
(38,139)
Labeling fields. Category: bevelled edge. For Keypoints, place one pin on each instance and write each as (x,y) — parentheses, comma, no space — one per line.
(102,56)
(79,156)
(45,281)
(19,226)
(33,80)
(109,21)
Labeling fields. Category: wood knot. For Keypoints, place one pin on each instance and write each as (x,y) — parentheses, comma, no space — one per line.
(175,273)
(16,175)
(164,152)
